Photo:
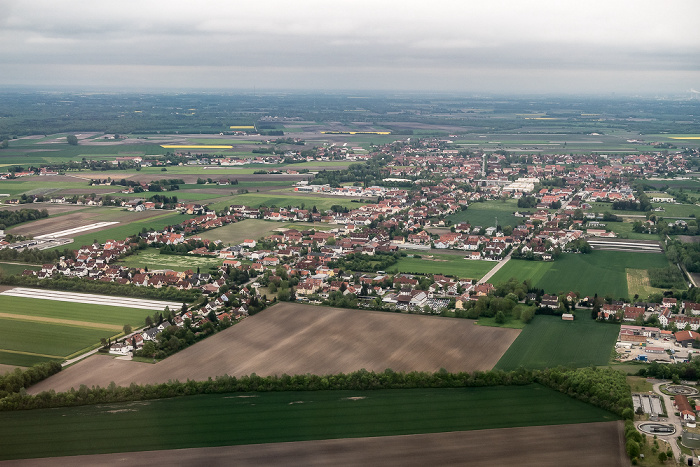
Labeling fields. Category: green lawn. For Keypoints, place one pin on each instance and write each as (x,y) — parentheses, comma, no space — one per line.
(549,341)
(601,272)
(234,419)
(102,314)
(52,340)
(485,214)
(322,203)
(152,259)
(444,264)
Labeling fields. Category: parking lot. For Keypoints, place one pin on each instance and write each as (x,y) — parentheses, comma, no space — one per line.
(671,351)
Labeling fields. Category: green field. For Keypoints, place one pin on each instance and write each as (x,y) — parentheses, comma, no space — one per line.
(624,230)
(678,210)
(20,359)
(601,272)
(9,269)
(47,339)
(485,214)
(122,231)
(322,203)
(548,341)
(454,265)
(152,259)
(247,229)
(268,417)
(101,314)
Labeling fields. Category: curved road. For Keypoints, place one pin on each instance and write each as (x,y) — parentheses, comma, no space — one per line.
(673,419)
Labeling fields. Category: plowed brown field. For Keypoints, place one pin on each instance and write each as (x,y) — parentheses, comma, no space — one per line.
(298,339)
(582,445)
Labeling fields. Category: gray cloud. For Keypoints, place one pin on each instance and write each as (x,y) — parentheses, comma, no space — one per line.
(451,45)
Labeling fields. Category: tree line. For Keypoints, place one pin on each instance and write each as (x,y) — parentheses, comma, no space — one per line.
(602,387)
(9,218)
(15,381)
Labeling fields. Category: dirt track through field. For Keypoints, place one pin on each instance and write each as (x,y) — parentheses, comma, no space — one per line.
(581,445)
(68,322)
(299,339)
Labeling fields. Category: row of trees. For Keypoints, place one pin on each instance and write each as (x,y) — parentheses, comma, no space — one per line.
(602,387)
(15,381)
(8,218)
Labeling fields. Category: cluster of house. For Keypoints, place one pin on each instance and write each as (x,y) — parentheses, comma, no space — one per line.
(224,306)
(671,313)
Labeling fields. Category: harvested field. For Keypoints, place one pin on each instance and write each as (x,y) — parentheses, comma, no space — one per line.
(298,339)
(6,368)
(51,208)
(85,217)
(541,446)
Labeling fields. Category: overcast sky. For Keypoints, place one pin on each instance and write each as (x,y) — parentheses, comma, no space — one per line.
(500,46)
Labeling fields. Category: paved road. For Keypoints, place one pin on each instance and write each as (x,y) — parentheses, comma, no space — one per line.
(496,268)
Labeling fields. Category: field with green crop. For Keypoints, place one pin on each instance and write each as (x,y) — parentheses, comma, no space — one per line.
(10,269)
(485,214)
(49,340)
(601,272)
(122,231)
(153,260)
(83,312)
(548,341)
(278,199)
(624,230)
(268,417)
(678,210)
(454,265)
(247,229)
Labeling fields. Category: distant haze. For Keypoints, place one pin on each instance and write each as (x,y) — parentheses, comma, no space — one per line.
(506,46)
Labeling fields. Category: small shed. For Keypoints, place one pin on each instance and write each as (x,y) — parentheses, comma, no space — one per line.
(567,317)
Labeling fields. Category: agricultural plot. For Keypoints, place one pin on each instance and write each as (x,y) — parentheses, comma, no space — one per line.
(444,264)
(91,299)
(122,231)
(678,210)
(548,341)
(38,325)
(544,446)
(624,230)
(269,417)
(10,269)
(290,338)
(153,260)
(254,229)
(322,203)
(485,214)
(638,283)
(601,272)
(46,340)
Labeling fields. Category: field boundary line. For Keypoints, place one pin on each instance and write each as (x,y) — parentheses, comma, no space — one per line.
(20,352)
(68,322)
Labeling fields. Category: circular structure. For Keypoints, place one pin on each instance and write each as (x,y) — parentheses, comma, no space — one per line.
(661,429)
(680,389)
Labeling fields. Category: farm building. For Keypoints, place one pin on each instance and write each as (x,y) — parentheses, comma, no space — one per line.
(686,338)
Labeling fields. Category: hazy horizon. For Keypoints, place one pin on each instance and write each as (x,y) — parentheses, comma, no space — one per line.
(536,47)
